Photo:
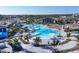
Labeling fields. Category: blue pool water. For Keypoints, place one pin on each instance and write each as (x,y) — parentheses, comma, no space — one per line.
(44,31)
(3,34)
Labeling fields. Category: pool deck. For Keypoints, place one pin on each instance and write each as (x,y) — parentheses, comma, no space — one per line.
(56,26)
(40,49)
(69,45)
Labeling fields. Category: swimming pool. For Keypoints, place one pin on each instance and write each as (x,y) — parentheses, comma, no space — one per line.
(3,35)
(42,31)
(75,33)
(3,32)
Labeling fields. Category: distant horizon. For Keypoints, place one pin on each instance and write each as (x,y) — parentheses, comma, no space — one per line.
(38,14)
(38,10)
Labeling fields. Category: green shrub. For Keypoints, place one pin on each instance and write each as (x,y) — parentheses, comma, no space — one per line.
(15,40)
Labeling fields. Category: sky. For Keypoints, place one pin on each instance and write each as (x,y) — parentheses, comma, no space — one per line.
(38,10)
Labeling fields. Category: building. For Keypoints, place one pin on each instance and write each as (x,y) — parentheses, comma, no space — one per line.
(16,20)
(48,20)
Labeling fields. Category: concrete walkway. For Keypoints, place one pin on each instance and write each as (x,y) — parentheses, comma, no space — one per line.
(68,45)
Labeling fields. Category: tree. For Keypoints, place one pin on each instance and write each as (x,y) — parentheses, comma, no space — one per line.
(67,29)
(26,29)
(68,34)
(15,40)
(14,30)
(37,41)
(26,37)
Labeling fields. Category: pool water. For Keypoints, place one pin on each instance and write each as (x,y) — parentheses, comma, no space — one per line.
(43,30)
(3,34)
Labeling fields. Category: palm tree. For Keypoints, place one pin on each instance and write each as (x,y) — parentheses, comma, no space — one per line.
(24,41)
(26,29)
(15,40)
(67,29)
(26,37)
(37,41)
(14,30)
(68,34)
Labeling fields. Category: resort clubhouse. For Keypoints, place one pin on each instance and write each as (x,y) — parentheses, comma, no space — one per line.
(53,33)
